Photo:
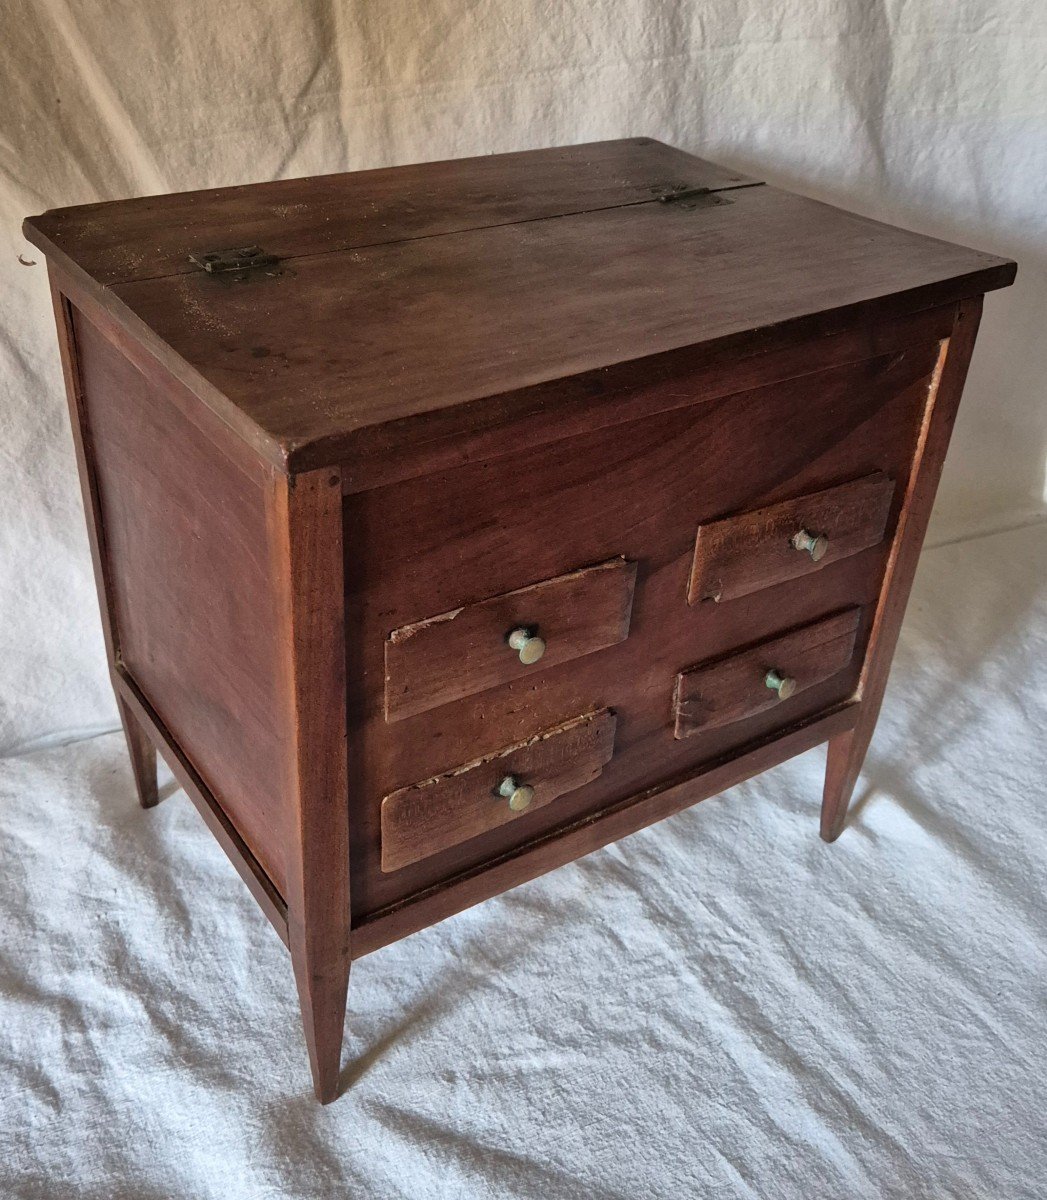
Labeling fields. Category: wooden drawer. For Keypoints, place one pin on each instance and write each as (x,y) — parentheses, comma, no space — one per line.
(467,650)
(438,813)
(458,538)
(764,676)
(755,550)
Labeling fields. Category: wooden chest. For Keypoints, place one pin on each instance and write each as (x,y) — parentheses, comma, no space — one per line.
(451,521)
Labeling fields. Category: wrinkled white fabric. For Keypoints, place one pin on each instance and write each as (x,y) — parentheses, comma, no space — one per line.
(930,115)
(718,1006)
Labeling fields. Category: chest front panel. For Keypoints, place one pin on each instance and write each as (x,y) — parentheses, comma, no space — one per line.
(637,495)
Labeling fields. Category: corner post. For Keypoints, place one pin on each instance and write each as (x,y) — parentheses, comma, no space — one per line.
(306,516)
(139,746)
(847,750)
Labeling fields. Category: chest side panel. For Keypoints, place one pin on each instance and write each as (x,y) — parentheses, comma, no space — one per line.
(640,491)
(187,552)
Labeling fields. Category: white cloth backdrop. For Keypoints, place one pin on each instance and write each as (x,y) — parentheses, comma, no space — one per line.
(930,114)
(721,1006)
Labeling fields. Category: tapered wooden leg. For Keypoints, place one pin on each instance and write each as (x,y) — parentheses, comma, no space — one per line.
(143,757)
(846,755)
(306,515)
(847,750)
(321,972)
(140,748)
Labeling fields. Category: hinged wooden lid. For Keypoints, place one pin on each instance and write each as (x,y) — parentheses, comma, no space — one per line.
(308,311)
(125,241)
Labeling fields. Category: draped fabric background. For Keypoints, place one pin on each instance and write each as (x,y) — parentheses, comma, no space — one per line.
(720,1006)
(931,114)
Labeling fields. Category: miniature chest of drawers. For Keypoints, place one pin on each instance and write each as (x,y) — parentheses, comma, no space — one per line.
(451,521)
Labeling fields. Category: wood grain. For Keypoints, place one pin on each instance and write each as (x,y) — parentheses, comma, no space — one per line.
(463,651)
(140,748)
(754,550)
(320,495)
(638,491)
(142,754)
(430,816)
(550,411)
(564,408)
(153,236)
(225,833)
(847,751)
(568,842)
(194,602)
(729,689)
(310,358)
(85,464)
(305,520)
(145,731)
(396,330)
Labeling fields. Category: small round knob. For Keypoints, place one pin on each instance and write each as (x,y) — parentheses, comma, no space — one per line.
(530,646)
(782,684)
(518,794)
(815,544)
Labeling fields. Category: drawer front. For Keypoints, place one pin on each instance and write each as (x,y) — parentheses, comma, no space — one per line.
(767,675)
(457,537)
(755,550)
(449,809)
(507,637)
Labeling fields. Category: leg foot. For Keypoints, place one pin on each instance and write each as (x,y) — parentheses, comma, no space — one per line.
(322,992)
(847,751)
(143,757)
(844,763)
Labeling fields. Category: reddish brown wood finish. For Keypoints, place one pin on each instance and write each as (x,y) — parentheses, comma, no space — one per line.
(454,297)
(638,490)
(461,383)
(153,236)
(311,356)
(755,550)
(730,689)
(306,525)
(134,710)
(580,837)
(617,395)
(84,456)
(465,650)
(250,870)
(142,753)
(552,410)
(847,752)
(448,809)
(176,511)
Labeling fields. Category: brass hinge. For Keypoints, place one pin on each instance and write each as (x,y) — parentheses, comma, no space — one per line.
(242,258)
(688,197)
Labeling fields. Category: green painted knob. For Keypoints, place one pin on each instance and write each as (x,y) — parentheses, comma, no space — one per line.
(815,544)
(529,646)
(782,684)
(518,794)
